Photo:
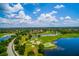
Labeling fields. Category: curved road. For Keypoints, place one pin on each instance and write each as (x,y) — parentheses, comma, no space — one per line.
(10,49)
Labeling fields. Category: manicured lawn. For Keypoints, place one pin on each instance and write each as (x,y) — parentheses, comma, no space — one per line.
(48,32)
(70,35)
(53,38)
(1,34)
(47,38)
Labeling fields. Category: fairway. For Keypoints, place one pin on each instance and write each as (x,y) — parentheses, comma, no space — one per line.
(47,38)
(1,34)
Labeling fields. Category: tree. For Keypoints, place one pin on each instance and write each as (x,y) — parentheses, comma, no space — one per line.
(41,48)
(2,49)
(17,47)
(21,49)
(31,53)
(16,41)
(39,35)
(3,54)
(27,39)
(29,36)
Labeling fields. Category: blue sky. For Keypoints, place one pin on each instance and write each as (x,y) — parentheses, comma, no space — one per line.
(39,15)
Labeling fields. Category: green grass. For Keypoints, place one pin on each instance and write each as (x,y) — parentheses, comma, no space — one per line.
(53,38)
(48,32)
(1,34)
(47,38)
(70,35)
(29,48)
(23,40)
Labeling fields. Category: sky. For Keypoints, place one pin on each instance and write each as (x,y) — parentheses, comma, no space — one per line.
(39,15)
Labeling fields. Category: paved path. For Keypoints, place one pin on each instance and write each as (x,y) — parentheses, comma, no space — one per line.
(10,48)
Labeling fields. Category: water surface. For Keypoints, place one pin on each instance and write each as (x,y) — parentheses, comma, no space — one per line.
(5,37)
(66,47)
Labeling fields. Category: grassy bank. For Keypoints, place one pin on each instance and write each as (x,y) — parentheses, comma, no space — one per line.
(53,38)
(1,34)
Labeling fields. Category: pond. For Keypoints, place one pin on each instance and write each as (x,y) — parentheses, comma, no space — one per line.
(66,47)
(6,37)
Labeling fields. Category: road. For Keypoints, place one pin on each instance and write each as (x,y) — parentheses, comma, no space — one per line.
(10,48)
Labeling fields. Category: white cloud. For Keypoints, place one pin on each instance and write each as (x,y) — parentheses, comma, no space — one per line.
(59,6)
(3,20)
(21,15)
(44,20)
(61,18)
(53,12)
(67,17)
(15,8)
(7,21)
(71,23)
(10,11)
(18,7)
(23,18)
(11,15)
(26,20)
(47,18)
(36,11)
(68,21)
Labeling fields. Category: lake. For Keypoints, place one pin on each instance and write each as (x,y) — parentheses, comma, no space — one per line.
(5,37)
(66,47)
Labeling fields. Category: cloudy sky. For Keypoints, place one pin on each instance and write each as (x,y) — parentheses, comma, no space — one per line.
(39,15)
